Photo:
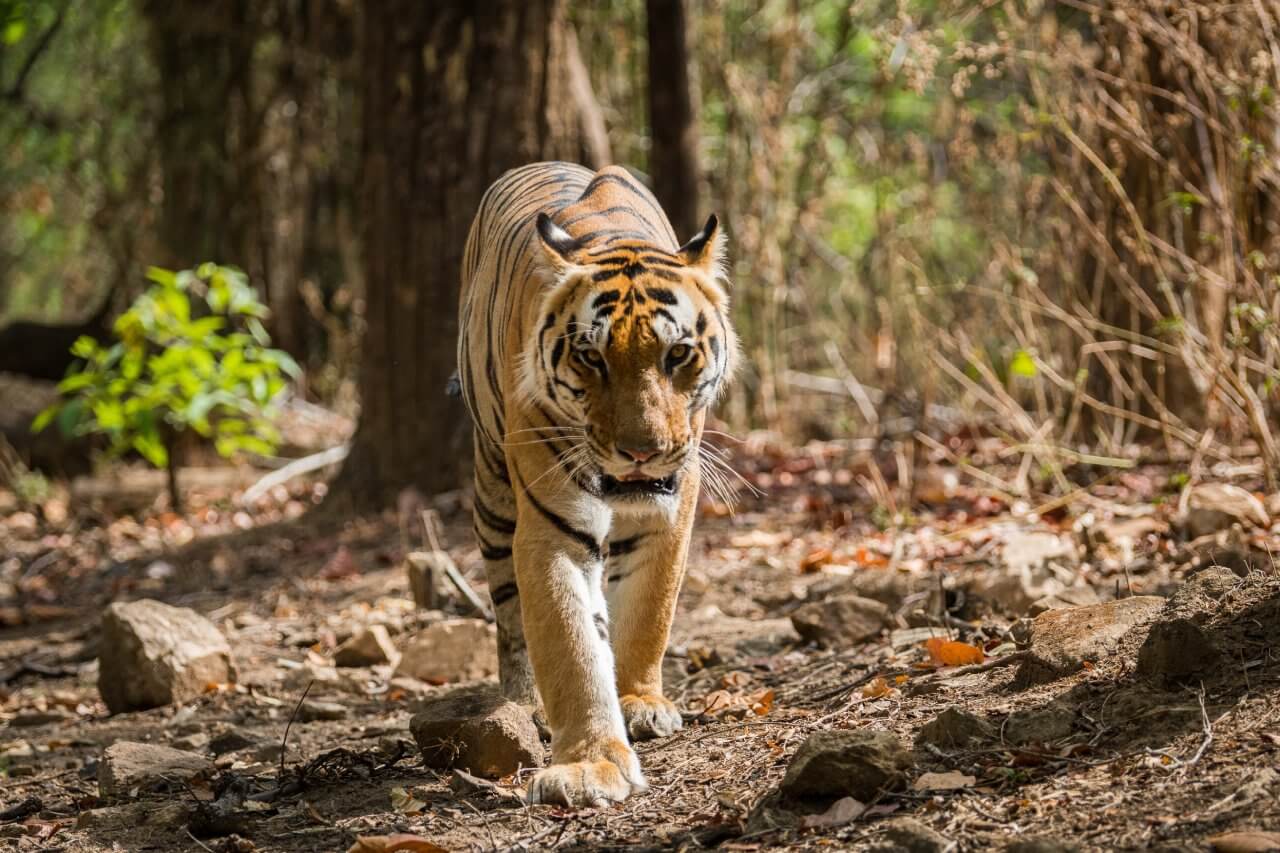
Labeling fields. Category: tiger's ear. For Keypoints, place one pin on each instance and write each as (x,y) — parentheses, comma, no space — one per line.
(706,250)
(559,245)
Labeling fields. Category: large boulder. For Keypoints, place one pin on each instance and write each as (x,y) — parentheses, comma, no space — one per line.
(451,651)
(153,654)
(479,732)
(858,764)
(1063,640)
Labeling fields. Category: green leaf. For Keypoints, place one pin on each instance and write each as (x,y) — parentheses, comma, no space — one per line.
(162,276)
(1023,365)
(14,31)
(152,448)
(43,419)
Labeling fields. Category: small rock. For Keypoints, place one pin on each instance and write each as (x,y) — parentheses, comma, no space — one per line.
(1211,507)
(1030,550)
(318,709)
(842,620)
(1175,651)
(24,719)
(1062,640)
(1120,531)
(134,815)
(477,731)
(194,742)
(127,766)
(858,764)
(450,651)
(426,571)
(152,654)
(907,835)
(268,753)
(1039,726)
(370,647)
(953,727)
(230,741)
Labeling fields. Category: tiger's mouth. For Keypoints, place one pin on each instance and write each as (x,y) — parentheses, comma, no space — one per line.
(612,487)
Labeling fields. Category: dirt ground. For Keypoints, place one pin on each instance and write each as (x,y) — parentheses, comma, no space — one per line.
(1112,762)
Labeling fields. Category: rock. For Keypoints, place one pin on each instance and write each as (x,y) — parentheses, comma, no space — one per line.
(450,651)
(842,620)
(907,835)
(1062,640)
(127,767)
(230,741)
(953,727)
(1030,550)
(194,742)
(1211,507)
(477,731)
(1039,726)
(318,709)
(370,647)
(1176,651)
(152,654)
(1074,596)
(1203,591)
(1132,530)
(132,815)
(858,764)
(427,570)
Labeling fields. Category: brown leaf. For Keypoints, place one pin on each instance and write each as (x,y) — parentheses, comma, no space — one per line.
(1248,841)
(402,843)
(953,653)
(842,811)
(762,702)
(737,678)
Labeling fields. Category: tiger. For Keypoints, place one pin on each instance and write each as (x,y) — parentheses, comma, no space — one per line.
(591,347)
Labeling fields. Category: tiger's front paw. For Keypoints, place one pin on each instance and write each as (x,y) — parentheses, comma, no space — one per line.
(611,778)
(650,716)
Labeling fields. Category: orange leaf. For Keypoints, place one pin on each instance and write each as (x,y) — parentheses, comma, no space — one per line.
(762,703)
(901,679)
(877,688)
(953,653)
(815,560)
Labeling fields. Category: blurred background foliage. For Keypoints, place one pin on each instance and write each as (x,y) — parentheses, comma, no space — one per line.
(1054,219)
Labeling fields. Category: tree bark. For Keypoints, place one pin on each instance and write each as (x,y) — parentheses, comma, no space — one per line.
(453,94)
(673,116)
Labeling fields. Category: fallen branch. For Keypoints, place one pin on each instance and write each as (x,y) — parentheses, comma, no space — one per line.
(297,468)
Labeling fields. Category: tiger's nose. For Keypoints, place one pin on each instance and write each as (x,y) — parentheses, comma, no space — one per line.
(638,453)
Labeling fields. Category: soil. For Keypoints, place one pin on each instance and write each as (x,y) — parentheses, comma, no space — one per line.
(1096,760)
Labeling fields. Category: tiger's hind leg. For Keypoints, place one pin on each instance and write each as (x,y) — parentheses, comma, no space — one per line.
(494,520)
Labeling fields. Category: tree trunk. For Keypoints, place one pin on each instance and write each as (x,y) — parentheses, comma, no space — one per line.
(673,116)
(453,94)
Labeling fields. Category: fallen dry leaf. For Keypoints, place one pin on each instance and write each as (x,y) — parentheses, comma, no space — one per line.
(949,781)
(876,688)
(815,560)
(842,811)
(405,802)
(1247,841)
(953,653)
(762,702)
(401,843)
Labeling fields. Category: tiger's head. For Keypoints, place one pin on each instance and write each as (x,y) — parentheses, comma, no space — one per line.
(632,345)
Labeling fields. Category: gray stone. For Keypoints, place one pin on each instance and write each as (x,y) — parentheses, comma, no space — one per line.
(1176,651)
(1063,640)
(1039,726)
(127,767)
(153,654)
(953,727)
(369,647)
(230,741)
(840,621)
(451,651)
(1032,565)
(1072,596)
(1211,507)
(858,764)
(478,731)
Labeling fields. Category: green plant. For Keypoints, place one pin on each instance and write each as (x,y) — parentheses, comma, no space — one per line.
(190,354)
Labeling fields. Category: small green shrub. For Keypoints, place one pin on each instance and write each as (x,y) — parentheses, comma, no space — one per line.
(190,354)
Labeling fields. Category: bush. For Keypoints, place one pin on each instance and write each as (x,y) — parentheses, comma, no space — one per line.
(190,354)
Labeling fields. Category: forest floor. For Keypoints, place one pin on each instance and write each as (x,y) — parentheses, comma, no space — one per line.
(1100,756)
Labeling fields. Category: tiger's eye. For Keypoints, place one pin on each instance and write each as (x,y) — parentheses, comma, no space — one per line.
(679,352)
(591,357)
